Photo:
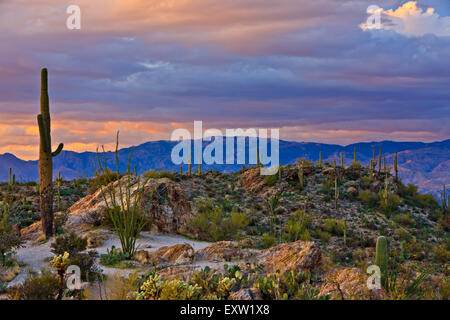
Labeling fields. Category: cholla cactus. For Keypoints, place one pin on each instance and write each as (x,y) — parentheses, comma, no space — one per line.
(60,262)
(150,289)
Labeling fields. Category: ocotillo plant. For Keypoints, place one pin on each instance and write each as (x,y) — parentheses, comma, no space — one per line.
(381,258)
(395,165)
(379,161)
(46,159)
(342,160)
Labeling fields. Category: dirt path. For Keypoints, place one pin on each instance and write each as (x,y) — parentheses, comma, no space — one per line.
(36,257)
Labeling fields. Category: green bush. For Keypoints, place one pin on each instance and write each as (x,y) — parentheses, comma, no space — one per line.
(113,257)
(404,219)
(213,223)
(323,235)
(368,197)
(70,243)
(9,239)
(270,180)
(297,226)
(153,174)
(267,240)
(333,226)
(101,179)
(43,287)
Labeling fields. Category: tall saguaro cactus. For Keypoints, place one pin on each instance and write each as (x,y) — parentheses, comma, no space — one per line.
(46,159)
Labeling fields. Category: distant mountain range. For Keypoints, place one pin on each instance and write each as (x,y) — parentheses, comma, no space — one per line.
(424,164)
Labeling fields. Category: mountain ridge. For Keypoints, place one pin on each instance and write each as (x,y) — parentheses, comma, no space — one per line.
(421,163)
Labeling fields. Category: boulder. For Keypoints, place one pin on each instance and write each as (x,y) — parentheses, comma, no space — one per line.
(252,181)
(163,202)
(176,254)
(352,191)
(349,284)
(299,255)
(223,251)
(96,238)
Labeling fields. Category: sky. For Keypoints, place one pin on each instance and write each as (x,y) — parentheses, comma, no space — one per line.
(310,68)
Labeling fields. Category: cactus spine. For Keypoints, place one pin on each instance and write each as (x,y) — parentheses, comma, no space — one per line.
(381,259)
(46,159)
(395,166)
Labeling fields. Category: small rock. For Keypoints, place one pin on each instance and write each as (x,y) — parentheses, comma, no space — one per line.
(352,191)
(246,294)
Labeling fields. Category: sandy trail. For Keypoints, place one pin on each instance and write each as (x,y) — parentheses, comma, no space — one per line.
(36,257)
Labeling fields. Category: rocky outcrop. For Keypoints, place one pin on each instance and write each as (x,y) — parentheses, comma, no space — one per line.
(299,255)
(223,251)
(252,181)
(163,202)
(176,254)
(349,284)
(96,238)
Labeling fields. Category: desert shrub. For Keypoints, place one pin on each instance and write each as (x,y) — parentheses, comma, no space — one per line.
(324,236)
(216,224)
(366,181)
(297,226)
(401,234)
(42,287)
(153,174)
(70,243)
(268,240)
(368,197)
(121,288)
(9,239)
(441,253)
(102,179)
(113,257)
(390,204)
(334,226)
(270,180)
(289,285)
(59,222)
(404,219)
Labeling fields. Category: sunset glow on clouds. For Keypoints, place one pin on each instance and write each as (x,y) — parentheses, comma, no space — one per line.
(147,67)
